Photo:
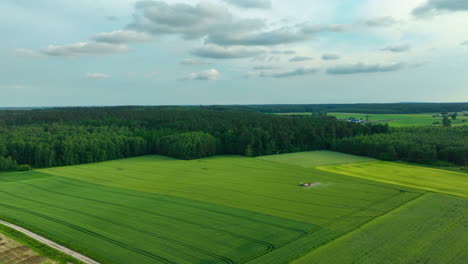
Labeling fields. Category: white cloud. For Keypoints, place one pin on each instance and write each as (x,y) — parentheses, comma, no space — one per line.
(386,21)
(330,56)
(84,48)
(193,62)
(218,52)
(97,75)
(300,59)
(12,87)
(437,6)
(121,36)
(364,68)
(314,29)
(284,74)
(262,4)
(397,48)
(27,53)
(191,21)
(209,75)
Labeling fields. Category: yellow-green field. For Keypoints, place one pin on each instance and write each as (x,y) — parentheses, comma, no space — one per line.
(435,180)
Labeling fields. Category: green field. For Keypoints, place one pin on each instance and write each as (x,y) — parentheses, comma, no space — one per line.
(217,210)
(400,120)
(432,229)
(316,158)
(395,120)
(435,180)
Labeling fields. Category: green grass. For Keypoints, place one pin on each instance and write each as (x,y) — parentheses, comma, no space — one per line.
(400,120)
(217,210)
(435,180)
(431,229)
(316,158)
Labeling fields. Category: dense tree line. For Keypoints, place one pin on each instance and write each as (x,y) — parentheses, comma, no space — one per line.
(59,145)
(428,145)
(399,108)
(191,145)
(66,136)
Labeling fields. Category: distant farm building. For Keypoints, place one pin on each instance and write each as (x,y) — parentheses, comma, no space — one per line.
(355,121)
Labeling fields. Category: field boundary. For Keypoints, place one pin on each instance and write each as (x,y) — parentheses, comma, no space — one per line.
(50,243)
(359,226)
(392,182)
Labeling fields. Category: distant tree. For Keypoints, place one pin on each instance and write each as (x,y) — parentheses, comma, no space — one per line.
(444,112)
(454,116)
(446,121)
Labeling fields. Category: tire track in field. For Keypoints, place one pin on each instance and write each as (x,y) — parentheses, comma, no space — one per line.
(77,228)
(345,216)
(191,206)
(269,246)
(162,237)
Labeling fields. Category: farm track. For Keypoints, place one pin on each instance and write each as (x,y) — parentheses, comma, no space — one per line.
(50,243)
(223,259)
(77,228)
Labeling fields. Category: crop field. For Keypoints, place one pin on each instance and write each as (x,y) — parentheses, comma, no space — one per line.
(217,210)
(432,229)
(449,182)
(316,158)
(396,120)
(400,120)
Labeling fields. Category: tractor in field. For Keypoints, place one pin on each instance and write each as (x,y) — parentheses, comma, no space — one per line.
(307,185)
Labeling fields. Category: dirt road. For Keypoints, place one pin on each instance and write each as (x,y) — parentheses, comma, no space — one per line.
(50,243)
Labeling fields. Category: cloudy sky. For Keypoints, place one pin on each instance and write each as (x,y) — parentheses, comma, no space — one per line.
(121,52)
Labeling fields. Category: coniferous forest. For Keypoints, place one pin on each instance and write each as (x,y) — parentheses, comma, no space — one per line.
(66,136)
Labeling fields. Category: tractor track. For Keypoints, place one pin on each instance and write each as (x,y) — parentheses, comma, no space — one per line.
(161,237)
(77,228)
(268,245)
(193,206)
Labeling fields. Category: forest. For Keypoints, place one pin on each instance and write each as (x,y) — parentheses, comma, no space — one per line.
(67,136)
(395,108)
(427,145)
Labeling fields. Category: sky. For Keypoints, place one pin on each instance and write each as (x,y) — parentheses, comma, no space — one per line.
(205,52)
